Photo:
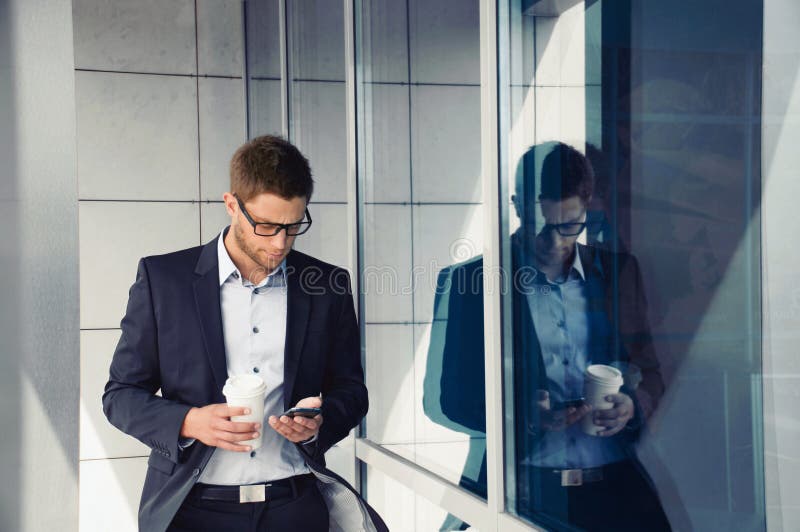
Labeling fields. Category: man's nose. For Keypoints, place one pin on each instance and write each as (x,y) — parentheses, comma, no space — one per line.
(279,241)
(549,234)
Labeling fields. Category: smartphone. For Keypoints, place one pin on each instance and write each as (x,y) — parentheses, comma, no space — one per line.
(571,403)
(303,412)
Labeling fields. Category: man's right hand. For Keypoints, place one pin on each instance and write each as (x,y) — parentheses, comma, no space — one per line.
(559,419)
(212,425)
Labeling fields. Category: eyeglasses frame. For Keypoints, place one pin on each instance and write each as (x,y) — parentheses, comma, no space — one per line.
(281,227)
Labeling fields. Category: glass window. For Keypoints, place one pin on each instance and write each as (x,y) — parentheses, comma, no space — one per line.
(311,97)
(630,141)
(263,67)
(421,230)
(317,120)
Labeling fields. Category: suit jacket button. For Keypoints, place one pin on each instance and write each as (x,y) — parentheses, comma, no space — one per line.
(196,472)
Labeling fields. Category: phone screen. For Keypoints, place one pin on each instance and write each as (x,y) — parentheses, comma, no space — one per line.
(303,412)
(571,403)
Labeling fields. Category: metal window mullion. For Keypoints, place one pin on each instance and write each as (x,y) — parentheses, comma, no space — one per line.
(245,73)
(491,260)
(508,523)
(510,39)
(285,49)
(352,176)
(446,495)
(352,147)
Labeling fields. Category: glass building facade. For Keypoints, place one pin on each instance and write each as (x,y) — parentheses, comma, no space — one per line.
(530,188)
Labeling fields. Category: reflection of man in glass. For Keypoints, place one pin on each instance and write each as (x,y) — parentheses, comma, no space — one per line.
(576,305)
(573,305)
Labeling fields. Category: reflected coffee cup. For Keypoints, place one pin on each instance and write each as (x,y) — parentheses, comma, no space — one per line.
(599,381)
(248,391)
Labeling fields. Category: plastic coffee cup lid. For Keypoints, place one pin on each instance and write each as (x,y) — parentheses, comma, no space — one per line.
(244,386)
(602,374)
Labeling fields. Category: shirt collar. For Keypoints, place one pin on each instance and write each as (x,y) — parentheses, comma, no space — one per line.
(577,263)
(228,268)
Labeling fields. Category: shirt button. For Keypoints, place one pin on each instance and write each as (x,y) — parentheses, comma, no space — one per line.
(252,454)
(236,275)
(256,291)
(196,472)
(255,330)
(255,370)
(566,362)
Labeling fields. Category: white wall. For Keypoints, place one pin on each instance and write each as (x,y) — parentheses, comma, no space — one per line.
(160,110)
(780,136)
(38,269)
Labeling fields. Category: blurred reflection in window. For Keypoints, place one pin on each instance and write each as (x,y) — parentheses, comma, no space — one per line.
(575,306)
(454,392)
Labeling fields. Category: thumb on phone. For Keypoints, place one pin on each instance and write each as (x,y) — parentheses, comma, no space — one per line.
(543,399)
(310,402)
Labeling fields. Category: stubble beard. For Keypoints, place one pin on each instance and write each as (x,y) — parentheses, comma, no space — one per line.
(545,259)
(238,235)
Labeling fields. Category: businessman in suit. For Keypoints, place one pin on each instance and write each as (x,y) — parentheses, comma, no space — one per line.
(244,303)
(572,305)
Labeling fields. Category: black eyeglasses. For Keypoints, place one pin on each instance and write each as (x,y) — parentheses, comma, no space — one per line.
(566,229)
(271,229)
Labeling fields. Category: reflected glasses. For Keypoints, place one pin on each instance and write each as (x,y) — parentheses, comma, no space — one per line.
(271,229)
(566,229)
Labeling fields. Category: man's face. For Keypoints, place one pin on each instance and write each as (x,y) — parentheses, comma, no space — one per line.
(550,247)
(265,251)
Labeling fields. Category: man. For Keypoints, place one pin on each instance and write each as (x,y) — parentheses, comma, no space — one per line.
(245,303)
(573,305)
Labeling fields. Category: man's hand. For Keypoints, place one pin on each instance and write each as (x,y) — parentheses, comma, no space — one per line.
(554,420)
(298,428)
(614,419)
(212,425)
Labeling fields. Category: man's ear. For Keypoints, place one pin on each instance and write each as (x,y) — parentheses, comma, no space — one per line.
(230,203)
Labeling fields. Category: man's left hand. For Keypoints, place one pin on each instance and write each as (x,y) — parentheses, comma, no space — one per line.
(299,429)
(614,419)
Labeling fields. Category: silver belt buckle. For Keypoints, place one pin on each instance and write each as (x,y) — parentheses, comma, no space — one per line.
(253,493)
(572,477)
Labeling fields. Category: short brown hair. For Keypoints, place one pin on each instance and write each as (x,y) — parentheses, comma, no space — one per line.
(554,171)
(270,164)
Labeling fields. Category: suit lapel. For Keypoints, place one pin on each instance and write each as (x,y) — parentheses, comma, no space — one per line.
(525,338)
(206,297)
(298,302)
(591,256)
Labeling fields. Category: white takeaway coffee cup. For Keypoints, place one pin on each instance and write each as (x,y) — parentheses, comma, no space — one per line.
(599,381)
(247,391)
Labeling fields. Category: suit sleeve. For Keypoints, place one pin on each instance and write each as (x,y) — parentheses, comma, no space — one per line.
(638,337)
(344,395)
(462,381)
(129,400)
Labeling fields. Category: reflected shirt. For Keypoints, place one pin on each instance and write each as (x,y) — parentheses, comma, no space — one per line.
(572,334)
(254,327)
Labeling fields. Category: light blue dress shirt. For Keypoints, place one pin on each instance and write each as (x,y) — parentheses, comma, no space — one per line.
(572,335)
(254,328)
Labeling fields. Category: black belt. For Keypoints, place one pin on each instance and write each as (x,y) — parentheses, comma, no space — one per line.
(275,490)
(572,477)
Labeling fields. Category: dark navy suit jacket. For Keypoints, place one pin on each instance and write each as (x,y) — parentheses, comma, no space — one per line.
(172,341)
